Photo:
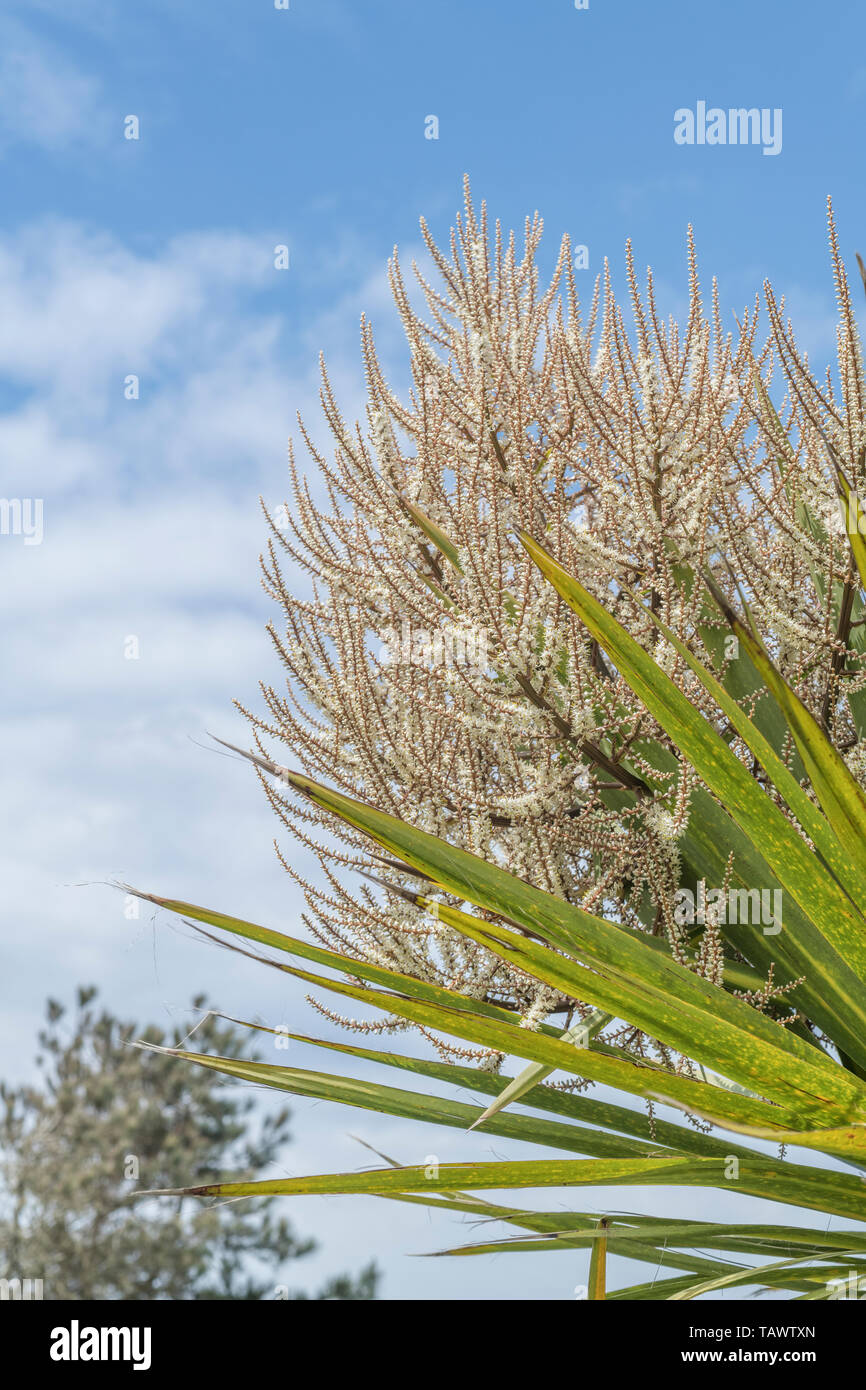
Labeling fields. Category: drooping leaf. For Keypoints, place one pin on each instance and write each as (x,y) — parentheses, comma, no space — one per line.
(815,1188)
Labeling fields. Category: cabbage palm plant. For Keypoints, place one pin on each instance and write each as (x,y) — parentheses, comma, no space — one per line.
(689,703)
(752,1075)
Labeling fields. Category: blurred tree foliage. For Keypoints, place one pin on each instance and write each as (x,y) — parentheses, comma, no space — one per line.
(109,1118)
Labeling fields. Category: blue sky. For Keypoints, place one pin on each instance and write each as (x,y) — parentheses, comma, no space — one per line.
(154,257)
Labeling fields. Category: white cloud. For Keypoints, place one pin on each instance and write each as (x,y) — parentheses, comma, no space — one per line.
(195,323)
(151,529)
(80,304)
(83,313)
(45,100)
